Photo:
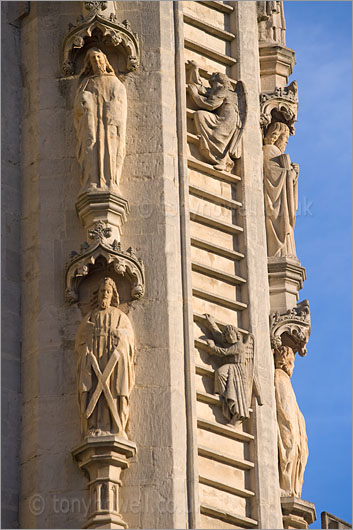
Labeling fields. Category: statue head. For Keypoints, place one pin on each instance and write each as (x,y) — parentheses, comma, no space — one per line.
(230,334)
(284,359)
(107,294)
(96,63)
(218,79)
(277,134)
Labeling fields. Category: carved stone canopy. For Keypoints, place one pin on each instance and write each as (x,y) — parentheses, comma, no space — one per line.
(124,263)
(280,105)
(96,30)
(291,328)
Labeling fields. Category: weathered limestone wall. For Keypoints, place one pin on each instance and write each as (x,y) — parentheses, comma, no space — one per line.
(11,92)
(154,491)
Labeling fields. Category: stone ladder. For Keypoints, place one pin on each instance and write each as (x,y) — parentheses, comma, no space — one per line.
(225,462)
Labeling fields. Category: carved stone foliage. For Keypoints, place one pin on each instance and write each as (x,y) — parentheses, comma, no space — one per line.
(291,328)
(221,121)
(281,192)
(234,378)
(105,348)
(125,264)
(289,334)
(280,105)
(98,30)
(271,22)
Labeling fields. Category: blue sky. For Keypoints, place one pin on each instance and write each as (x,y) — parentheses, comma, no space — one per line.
(321,35)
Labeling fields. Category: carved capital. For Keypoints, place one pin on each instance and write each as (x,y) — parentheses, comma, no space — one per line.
(280,105)
(297,513)
(291,329)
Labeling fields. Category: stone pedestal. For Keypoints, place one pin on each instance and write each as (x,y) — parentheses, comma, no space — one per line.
(286,276)
(102,458)
(106,206)
(297,513)
(276,65)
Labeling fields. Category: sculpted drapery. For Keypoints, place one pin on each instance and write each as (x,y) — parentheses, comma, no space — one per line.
(105,347)
(281,192)
(219,125)
(234,378)
(100,122)
(292,438)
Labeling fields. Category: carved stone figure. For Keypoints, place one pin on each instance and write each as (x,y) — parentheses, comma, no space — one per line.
(271,22)
(100,122)
(289,335)
(105,347)
(234,379)
(292,438)
(281,192)
(221,122)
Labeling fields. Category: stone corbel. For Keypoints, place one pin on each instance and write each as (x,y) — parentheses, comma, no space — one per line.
(126,263)
(280,105)
(109,32)
(103,458)
(291,328)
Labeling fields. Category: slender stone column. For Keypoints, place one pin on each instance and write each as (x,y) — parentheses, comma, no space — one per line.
(266,485)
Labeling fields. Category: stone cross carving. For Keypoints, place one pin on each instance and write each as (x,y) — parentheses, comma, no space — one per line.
(100,122)
(105,347)
(220,123)
(281,192)
(271,22)
(235,378)
(289,334)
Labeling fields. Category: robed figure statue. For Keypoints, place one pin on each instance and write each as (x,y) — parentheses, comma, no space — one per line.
(105,347)
(292,438)
(100,122)
(220,123)
(281,192)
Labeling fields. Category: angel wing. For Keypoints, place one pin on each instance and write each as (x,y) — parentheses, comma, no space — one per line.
(235,147)
(249,365)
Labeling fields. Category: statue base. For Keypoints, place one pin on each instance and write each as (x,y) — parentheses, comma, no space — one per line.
(297,513)
(286,276)
(276,65)
(102,458)
(102,205)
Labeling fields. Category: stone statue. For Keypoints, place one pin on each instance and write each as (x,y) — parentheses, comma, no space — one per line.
(105,347)
(281,192)
(100,122)
(292,439)
(234,379)
(271,22)
(221,122)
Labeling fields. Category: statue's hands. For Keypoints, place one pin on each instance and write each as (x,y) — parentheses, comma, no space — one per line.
(115,338)
(209,317)
(295,169)
(210,343)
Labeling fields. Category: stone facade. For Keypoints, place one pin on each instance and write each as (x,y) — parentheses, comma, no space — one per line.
(149,214)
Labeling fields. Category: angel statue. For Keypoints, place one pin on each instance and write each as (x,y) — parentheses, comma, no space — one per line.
(235,378)
(221,122)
